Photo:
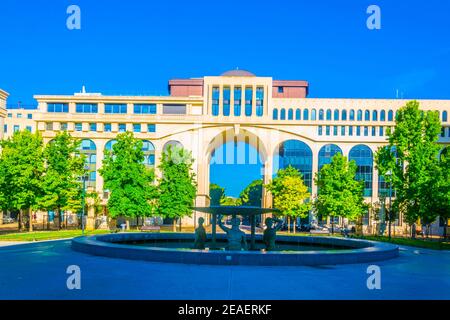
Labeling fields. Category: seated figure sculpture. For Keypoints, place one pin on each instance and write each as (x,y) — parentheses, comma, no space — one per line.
(200,235)
(270,234)
(236,237)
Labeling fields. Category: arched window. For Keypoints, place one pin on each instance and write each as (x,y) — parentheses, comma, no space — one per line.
(367,115)
(297,154)
(444,116)
(390,115)
(383,115)
(328,115)
(359,115)
(352,115)
(109,145)
(305,114)
(336,115)
(374,115)
(283,114)
(363,157)
(326,153)
(298,114)
(321,115)
(275,114)
(149,153)
(384,187)
(313,115)
(172,143)
(344,115)
(290,114)
(89,150)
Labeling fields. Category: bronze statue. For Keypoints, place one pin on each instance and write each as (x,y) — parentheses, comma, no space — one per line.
(200,235)
(270,234)
(236,237)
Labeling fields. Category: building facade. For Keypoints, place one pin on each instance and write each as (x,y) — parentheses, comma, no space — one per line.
(201,114)
(3,97)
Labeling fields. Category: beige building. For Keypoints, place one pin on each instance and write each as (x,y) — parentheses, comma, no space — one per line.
(275,116)
(3,97)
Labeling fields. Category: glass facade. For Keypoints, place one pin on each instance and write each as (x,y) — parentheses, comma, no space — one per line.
(58,107)
(363,157)
(86,108)
(297,154)
(326,153)
(149,153)
(248,101)
(89,150)
(144,108)
(116,108)
(215,101)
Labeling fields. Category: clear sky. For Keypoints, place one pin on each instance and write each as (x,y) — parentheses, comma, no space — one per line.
(136,46)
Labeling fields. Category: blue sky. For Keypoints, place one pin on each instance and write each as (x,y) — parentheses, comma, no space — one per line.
(136,46)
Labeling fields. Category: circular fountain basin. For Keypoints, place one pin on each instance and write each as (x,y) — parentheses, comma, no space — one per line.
(174,248)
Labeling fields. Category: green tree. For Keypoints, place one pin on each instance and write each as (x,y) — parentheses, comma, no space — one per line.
(216,193)
(290,194)
(414,164)
(340,194)
(177,186)
(21,167)
(252,194)
(230,201)
(130,182)
(61,184)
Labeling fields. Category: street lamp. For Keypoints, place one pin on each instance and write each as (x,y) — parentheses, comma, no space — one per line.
(83,197)
(389,174)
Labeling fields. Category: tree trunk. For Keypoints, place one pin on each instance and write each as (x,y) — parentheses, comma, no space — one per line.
(59,219)
(20,220)
(332,225)
(30,215)
(289,224)
(294,224)
(174,225)
(180,224)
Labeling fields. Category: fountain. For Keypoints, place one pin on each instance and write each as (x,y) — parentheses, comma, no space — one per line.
(231,247)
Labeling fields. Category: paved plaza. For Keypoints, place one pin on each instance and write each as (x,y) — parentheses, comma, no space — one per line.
(38,271)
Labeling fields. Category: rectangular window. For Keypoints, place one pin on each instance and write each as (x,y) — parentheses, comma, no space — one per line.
(107,127)
(381,132)
(58,107)
(86,108)
(343,131)
(320,130)
(78,126)
(63,126)
(144,108)
(237,101)
(9,115)
(280,89)
(350,131)
(259,101)
(443,132)
(366,131)
(335,130)
(248,101)
(49,126)
(29,129)
(30,116)
(16,128)
(136,127)
(174,109)
(5,128)
(19,115)
(358,131)
(226,101)
(151,127)
(93,127)
(215,101)
(327,130)
(374,131)
(122,127)
(116,108)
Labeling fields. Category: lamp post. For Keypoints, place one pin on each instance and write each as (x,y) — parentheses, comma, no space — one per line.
(389,174)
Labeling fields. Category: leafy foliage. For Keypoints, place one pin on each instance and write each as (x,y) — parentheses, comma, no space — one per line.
(216,193)
(130,182)
(252,194)
(289,193)
(340,193)
(177,186)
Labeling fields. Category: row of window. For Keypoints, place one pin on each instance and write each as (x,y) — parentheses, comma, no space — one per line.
(351,131)
(110,108)
(338,115)
(16,128)
(20,115)
(226,94)
(107,127)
